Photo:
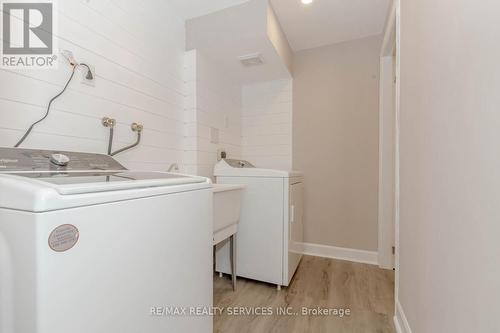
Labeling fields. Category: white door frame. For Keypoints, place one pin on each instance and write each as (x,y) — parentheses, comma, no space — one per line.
(398,129)
(388,210)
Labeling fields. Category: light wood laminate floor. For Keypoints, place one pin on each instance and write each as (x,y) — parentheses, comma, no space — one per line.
(366,290)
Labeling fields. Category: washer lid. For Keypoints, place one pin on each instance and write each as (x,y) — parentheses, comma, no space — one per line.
(90,182)
(45,180)
(35,192)
(235,169)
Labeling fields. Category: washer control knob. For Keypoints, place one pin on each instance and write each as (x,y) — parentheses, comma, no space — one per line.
(59,159)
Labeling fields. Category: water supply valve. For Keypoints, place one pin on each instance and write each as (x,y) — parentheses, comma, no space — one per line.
(108,122)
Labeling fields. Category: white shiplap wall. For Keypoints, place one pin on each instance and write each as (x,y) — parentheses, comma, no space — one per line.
(137,49)
(213,101)
(267,124)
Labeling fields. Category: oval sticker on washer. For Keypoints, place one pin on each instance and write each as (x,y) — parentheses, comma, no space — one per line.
(63,238)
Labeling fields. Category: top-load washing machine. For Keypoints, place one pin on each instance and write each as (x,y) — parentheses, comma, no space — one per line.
(270,232)
(88,246)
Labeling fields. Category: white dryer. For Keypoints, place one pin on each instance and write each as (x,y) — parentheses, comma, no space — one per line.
(88,246)
(270,232)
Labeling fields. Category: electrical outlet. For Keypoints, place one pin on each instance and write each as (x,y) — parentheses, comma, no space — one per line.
(68,55)
(214,135)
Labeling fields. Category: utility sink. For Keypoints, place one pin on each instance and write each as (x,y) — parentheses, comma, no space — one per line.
(227,207)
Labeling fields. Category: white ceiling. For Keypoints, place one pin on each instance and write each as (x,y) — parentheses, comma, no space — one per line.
(327,22)
(241,30)
(321,23)
(194,8)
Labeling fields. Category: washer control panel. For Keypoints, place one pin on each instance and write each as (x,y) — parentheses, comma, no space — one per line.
(26,160)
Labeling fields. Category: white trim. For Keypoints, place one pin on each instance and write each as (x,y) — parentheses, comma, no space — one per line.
(398,111)
(325,251)
(400,321)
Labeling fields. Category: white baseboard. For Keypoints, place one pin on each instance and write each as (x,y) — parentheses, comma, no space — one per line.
(400,321)
(361,256)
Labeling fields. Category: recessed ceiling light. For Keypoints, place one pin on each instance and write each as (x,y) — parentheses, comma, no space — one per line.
(307,2)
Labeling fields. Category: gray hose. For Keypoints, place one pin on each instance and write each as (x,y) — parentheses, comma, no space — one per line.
(128,147)
(110,143)
(47,111)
